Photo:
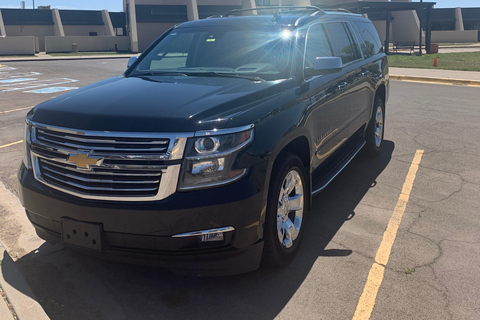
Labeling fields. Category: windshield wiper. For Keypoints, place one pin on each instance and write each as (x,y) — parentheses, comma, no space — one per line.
(225,75)
(160,73)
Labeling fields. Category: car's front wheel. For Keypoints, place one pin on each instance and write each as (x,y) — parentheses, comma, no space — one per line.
(285,218)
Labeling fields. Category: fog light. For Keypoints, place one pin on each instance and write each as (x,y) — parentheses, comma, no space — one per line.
(218,236)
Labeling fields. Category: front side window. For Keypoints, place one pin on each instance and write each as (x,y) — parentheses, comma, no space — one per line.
(317,46)
(262,51)
(342,42)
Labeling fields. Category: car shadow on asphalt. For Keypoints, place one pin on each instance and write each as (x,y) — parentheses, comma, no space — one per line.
(71,285)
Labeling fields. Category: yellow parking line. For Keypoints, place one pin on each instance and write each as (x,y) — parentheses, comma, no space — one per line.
(375,276)
(19,109)
(11,144)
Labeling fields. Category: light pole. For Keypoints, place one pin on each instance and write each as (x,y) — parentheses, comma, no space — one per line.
(33,4)
(420,18)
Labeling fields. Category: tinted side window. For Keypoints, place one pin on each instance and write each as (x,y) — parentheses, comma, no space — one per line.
(342,43)
(317,46)
(371,42)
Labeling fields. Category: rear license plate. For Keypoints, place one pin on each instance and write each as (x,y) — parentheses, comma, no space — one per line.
(82,234)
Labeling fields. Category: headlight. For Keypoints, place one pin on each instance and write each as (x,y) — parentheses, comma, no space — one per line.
(27,139)
(209,158)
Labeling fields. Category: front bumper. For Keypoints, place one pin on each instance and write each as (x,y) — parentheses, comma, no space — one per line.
(145,229)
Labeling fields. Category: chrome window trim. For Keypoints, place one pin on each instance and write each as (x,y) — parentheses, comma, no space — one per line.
(203,232)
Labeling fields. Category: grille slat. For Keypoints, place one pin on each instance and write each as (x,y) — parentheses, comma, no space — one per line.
(87,180)
(104,173)
(105,189)
(103,140)
(100,148)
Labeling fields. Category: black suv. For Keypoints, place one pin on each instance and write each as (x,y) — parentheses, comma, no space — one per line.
(205,154)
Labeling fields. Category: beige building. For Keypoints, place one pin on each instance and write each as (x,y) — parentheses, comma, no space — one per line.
(150,18)
(26,31)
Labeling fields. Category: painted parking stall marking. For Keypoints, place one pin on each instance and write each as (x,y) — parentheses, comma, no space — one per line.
(16,80)
(5,68)
(7,75)
(26,81)
(19,109)
(52,89)
(375,276)
(11,144)
(34,84)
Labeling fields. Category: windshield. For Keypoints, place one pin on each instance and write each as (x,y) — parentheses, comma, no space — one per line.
(220,50)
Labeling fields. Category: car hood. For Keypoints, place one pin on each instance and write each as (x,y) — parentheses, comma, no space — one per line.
(155,103)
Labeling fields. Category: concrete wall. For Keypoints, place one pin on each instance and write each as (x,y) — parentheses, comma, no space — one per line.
(149,32)
(17,45)
(102,43)
(455,36)
(83,30)
(39,31)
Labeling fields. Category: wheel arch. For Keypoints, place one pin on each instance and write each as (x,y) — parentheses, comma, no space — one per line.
(381,92)
(298,144)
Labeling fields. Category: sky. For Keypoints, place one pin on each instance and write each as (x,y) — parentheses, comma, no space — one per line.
(117,5)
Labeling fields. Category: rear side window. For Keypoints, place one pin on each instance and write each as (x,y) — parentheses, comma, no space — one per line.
(371,42)
(342,42)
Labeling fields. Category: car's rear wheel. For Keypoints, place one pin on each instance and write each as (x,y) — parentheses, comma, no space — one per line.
(375,130)
(285,211)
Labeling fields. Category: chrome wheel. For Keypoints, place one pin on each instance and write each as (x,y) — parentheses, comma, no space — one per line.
(290,209)
(378,126)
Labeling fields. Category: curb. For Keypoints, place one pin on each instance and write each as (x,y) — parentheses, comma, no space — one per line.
(18,293)
(20,59)
(462,82)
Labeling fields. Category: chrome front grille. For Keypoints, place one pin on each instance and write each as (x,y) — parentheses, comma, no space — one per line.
(101,182)
(127,166)
(104,144)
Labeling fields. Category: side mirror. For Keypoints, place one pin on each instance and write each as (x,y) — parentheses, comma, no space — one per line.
(323,65)
(131,61)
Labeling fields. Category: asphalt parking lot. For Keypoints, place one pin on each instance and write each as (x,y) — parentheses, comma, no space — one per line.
(432,270)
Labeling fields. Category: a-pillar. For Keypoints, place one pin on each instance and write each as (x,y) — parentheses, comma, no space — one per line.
(459,20)
(192,10)
(2,26)
(132,26)
(57,24)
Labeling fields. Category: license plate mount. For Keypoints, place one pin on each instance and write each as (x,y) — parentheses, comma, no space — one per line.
(82,234)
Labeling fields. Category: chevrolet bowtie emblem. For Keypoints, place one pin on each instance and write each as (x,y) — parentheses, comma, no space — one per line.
(84,160)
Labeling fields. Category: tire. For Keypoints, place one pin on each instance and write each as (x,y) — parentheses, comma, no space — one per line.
(375,130)
(285,218)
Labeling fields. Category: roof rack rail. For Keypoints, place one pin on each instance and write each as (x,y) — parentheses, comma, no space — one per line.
(278,9)
(338,10)
(214,16)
